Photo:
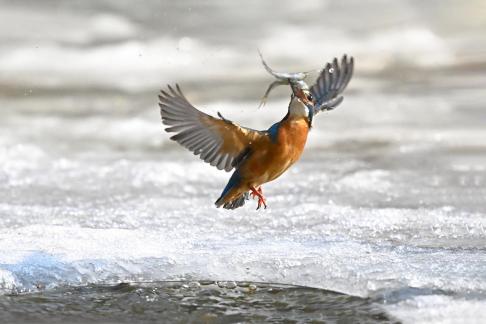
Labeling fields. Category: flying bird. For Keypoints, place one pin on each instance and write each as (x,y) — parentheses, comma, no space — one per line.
(257,156)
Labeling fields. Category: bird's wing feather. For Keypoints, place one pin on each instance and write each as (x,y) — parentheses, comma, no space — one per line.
(331,83)
(219,142)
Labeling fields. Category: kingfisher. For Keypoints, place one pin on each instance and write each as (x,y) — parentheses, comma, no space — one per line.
(256,156)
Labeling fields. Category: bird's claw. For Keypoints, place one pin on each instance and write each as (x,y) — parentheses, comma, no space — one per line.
(260,202)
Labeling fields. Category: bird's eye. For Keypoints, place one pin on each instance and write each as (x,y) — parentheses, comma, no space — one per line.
(309,97)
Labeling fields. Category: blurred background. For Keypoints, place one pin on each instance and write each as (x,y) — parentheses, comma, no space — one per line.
(93,191)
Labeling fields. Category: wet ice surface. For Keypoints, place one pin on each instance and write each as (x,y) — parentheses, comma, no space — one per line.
(388,202)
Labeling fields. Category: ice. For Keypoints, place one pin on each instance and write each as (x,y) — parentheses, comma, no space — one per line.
(153,220)
(440,309)
(315,254)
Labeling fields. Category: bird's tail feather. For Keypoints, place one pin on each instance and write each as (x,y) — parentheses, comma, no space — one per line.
(235,203)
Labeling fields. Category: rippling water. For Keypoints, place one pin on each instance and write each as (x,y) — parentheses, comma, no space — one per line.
(192,302)
(387,205)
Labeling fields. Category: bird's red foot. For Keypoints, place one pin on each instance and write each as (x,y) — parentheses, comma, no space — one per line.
(254,192)
(258,193)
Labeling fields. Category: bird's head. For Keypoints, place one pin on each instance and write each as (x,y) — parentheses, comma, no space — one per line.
(302,101)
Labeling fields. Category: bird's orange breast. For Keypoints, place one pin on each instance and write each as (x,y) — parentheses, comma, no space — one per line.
(269,159)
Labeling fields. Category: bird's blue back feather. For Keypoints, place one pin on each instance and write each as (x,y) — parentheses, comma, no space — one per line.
(273,131)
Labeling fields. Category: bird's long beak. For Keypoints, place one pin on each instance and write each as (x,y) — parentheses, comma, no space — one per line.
(311,114)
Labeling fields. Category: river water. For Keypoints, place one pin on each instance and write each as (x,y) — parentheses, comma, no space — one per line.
(387,207)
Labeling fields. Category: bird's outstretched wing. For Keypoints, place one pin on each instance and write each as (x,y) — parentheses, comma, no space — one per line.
(219,142)
(331,83)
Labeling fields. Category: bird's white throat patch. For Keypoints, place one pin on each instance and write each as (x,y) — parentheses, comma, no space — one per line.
(297,108)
